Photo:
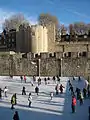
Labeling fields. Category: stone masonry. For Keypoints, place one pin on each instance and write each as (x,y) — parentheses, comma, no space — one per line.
(49,65)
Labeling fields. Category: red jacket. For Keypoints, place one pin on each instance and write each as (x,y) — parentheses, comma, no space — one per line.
(24,77)
(74,101)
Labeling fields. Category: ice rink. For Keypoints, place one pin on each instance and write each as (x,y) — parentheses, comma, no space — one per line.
(43,108)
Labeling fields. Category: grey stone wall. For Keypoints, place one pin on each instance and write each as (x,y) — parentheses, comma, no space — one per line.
(49,66)
(4,65)
(74,67)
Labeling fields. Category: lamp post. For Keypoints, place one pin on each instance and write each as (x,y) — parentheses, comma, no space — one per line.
(39,66)
(78,70)
(61,68)
(34,64)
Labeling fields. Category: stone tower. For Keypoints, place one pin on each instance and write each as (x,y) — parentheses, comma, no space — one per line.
(39,39)
(23,39)
(51,37)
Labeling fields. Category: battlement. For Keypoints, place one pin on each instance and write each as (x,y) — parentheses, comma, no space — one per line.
(57,55)
(69,63)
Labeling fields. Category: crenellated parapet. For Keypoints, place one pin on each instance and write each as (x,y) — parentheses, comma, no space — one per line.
(68,64)
(58,55)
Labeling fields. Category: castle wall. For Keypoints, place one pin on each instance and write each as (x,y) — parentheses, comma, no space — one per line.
(49,66)
(74,67)
(72,47)
(75,48)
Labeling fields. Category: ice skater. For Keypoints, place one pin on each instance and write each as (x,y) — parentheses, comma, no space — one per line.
(24,91)
(71,89)
(45,81)
(58,79)
(81,98)
(88,90)
(54,79)
(84,92)
(73,105)
(78,93)
(21,77)
(5,91)
(30,99)
(13,101)
(57,89)
(61,88)
(25,78)
(51,95)
(16,116)
(1,93)
(39,81)
(37,90)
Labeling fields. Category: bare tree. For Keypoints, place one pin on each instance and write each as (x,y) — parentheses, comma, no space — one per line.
(14,22)
(71,29)
(80,28)
(63,30)
(46,18)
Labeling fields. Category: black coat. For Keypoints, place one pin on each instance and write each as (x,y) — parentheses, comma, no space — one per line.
(16,117)
(0,92)
(36,89)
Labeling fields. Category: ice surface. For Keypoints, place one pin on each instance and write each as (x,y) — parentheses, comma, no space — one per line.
(42,108)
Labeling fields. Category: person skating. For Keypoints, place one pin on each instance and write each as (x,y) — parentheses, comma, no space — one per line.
(30,99)
(71,89)
(73,78)
(16,116)
(25,78)
(34,79)
(69,83)
(13,101)
(81,98)
(58,79)
(48,78)
(15,98)
(5,91)
(88,90)
(79,78)
(61,88)
(51,95)
(54,79)
(78,93)
(11,76)
(1,93)
(45,81)
(21,77)
(23,91)
(86,84)
(57,89)
(37,90)
(84,92)
(73,105)
(39,81)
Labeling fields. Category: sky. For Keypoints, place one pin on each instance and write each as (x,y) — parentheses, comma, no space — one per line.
(67,11)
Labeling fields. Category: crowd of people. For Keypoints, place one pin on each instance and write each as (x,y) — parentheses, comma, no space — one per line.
(77,95)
